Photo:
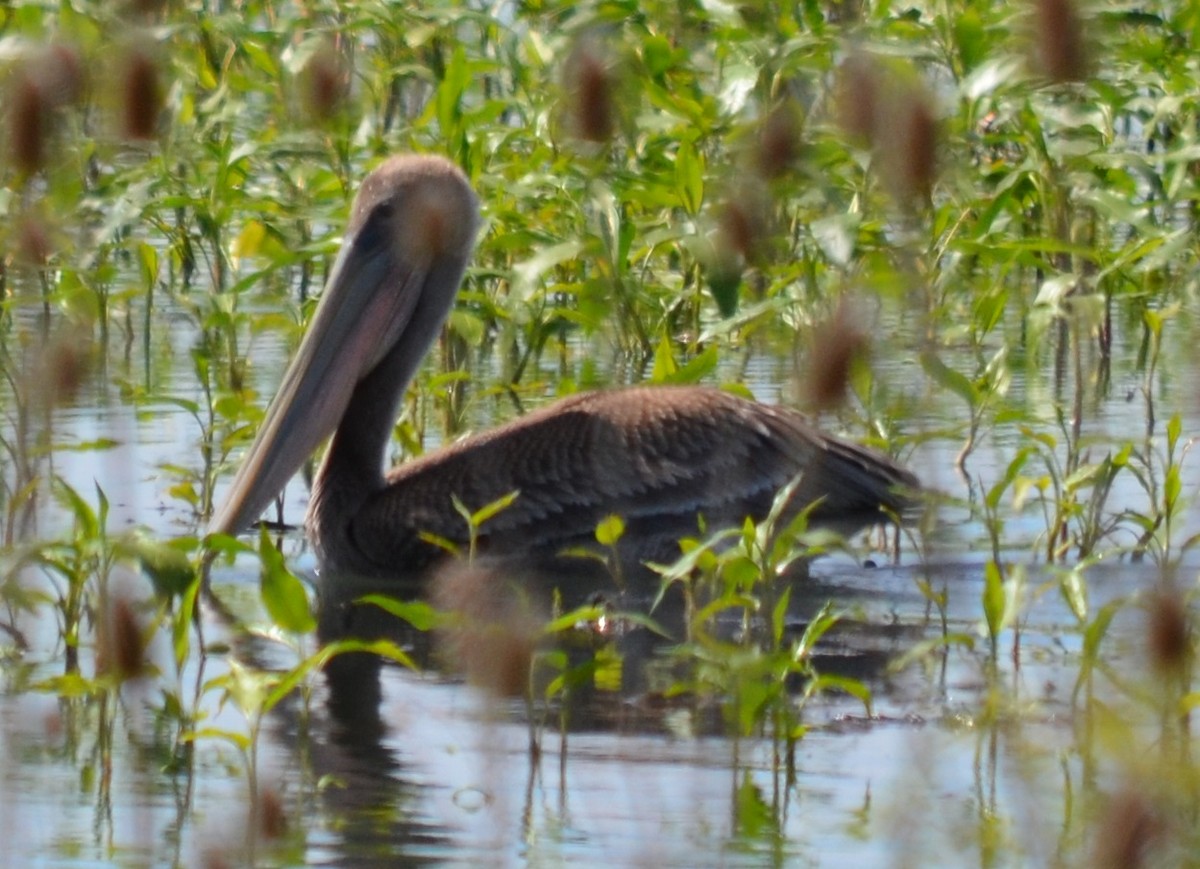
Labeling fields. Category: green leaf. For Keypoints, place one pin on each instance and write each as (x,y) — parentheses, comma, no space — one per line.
(740,571)
(949,378)
(854,687)
(779,615)
(755,818)
(664,362)
(1082,478)
(992,498)
(450,91)
(241,740)
(283,594)
(1074,592)
(970,38)
(527,274)
(417,613)
(698,367)
(101,508)
(1174,430)
(989,308)
(1095,632)
(932,644)
(489,511)
(610,530)
(1172,488)
(167,565)
(689,176)
(994,599)
(181,628)
(247,688)
(820,624)
(87,525)
(468,326)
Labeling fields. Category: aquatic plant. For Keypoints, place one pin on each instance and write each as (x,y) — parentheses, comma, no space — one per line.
(1002,199)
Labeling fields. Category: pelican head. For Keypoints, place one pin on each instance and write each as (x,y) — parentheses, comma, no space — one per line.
(411,233)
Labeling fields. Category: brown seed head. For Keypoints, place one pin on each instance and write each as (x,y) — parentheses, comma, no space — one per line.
(838,345)
(779,140)
(917,149)
(52,725)
(62,73)
(1169,632)
(905,137)
(324,83)
(29,121)
(66,364)
(121,647)
(272,818)
(141,91)
(214,858)
(59,367)
(1129,831)
(33,246)
(590,86)
(492,637)
(1059,38)
(48,79)
(858,99)
(742,227)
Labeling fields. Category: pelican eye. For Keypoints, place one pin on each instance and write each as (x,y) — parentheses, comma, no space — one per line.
(373,234)
(384,210)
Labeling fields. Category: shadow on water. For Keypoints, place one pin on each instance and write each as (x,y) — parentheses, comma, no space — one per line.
(496,612)
(419,768)
(422,770)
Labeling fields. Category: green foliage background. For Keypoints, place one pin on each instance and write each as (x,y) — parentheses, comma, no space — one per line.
(1001,197)
(758,162)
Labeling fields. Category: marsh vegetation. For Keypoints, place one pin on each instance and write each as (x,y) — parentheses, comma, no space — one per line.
(963,233)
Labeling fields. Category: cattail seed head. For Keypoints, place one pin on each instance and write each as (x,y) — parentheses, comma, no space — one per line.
(914,158)
(1169,632)
(66,365)
(1130,830)
(891,111)
(590,86)
(62,73)
(1061,53)
(742,227)
(141,93)
(121,645)
(34,242)
(838,345)
(272,817)
(779,140)
(491,637)
(47,80)
(29,122)
(858,97)
(324,84)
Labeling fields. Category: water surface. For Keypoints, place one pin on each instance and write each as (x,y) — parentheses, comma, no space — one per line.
(949,759)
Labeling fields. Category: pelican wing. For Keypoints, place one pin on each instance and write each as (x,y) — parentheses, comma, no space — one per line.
(658,457)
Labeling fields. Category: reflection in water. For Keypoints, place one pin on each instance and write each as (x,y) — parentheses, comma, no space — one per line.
(423,769)
(506,783)
(626,775)
(372,809)
(629,775)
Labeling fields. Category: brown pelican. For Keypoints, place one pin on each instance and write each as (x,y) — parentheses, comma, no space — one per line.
(657,456)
